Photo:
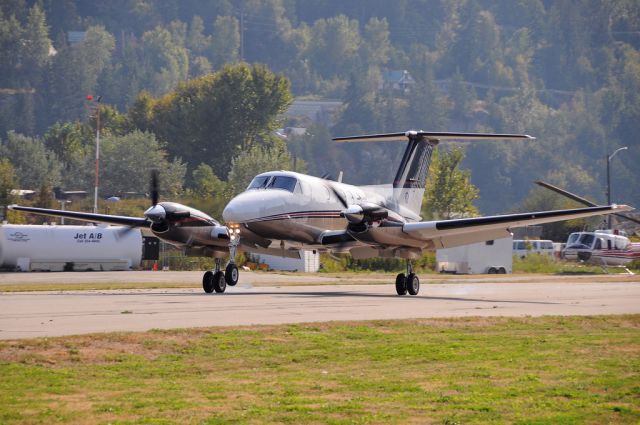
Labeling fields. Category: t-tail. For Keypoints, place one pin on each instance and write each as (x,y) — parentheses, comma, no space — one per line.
(411,178)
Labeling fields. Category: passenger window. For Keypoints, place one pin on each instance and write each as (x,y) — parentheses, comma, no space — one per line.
(598,244)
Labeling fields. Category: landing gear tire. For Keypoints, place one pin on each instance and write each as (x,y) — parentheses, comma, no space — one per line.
(207,282)
(231,274)
(492,270)
(502,270)
(413,284)
(401,284)
(219,282)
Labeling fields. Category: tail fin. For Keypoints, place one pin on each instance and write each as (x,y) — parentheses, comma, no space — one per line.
(411,178)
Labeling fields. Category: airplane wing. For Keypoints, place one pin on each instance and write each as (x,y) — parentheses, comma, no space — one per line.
(431,135)
(449,233)
(92,218)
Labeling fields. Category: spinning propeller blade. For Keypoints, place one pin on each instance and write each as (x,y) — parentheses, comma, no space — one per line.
(153,187)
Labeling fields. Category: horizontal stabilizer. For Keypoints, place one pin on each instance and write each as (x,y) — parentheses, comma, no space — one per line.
(431,136)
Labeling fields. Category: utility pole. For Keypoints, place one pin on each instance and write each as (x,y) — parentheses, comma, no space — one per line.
(97,181)
(242,34)
(609,181)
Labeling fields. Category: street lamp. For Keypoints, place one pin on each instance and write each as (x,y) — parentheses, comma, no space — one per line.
(609,180)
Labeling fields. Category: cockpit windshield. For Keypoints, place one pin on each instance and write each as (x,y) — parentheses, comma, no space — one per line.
(282,182)
(258,182)
(580,240)
(273,182)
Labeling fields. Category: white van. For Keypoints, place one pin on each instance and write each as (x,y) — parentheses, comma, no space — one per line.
(522,248)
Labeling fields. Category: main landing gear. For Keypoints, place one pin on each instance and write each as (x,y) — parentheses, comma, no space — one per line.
(408,283)
(217,280)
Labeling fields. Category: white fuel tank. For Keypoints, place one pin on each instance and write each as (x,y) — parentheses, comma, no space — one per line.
(31,247)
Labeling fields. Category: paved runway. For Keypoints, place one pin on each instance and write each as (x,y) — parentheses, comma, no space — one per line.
(38,314)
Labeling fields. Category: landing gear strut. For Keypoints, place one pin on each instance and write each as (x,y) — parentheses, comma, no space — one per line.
(231,272)
(408,283)
(217,280)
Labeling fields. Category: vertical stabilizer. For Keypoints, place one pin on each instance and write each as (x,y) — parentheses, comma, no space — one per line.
(411,178)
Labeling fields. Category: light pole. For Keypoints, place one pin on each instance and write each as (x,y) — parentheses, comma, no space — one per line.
(609,180)
(63,202)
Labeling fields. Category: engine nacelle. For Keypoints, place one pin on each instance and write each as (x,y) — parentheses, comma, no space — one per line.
(220,232)
(358,214)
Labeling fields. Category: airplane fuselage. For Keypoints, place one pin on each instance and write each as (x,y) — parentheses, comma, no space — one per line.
(298,209)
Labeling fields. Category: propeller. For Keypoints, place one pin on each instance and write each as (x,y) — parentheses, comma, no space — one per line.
(339,195)
(356,215)
(153,187)
(161,214)
(580,199)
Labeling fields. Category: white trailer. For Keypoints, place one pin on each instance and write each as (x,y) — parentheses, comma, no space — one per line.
(68,248)
(477,258)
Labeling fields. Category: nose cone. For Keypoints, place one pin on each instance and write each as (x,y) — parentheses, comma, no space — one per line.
(239,210)
(254,204)
(155,213)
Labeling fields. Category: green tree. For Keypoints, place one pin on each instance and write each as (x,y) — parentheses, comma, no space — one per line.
(35,46)
(166,60)
(7,184)
(449,191)
(376,46)
(74,73)
(225,44)
(33,162)
(213,118)
(206,183)
(255,161)
(197,42)
(334,45)
(126,163)
(11,32)
(73,144)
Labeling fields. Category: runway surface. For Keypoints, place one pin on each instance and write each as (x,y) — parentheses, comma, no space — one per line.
(39,314)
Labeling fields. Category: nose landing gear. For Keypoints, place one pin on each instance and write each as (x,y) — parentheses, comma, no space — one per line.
(217,280)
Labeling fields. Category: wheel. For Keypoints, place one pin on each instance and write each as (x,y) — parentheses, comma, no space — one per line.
(413,284)
(219,282)
(401,284)
(231,274)
(502,270)
(492,270)
(207,282)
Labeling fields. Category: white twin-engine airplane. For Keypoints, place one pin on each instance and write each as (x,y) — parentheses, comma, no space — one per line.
(282,213)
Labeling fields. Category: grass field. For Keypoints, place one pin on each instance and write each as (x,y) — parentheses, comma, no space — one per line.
(546,370)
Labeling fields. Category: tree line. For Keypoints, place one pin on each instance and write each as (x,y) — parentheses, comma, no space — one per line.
(566,72)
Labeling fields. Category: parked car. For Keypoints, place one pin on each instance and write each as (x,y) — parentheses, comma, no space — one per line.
(522,248)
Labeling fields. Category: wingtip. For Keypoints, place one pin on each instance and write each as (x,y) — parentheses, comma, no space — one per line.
(622,207)
(12,206)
